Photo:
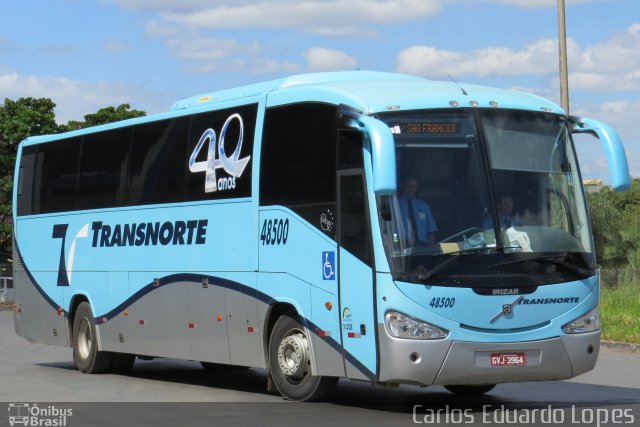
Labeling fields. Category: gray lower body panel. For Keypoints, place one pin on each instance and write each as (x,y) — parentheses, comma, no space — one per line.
(446,362)
(44,323)
(181,319)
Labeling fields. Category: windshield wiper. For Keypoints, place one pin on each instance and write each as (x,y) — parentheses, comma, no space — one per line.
(426,274)
(560,260)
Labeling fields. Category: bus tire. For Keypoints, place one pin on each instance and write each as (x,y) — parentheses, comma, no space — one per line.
(470,390)
(122,363)
(85,343)
(290,362)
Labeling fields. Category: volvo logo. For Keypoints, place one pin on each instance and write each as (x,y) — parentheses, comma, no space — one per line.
(507,309)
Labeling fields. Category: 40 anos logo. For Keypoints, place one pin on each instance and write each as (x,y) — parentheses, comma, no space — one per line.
(217,158)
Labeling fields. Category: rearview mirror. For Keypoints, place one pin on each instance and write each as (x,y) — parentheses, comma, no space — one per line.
(383,150)
(613,148)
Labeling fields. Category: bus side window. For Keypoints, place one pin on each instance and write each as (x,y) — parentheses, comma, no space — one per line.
(298,160)
(56,180)
(102,180)
(158,162)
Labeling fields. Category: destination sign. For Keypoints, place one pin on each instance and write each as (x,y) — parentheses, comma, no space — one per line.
(432,128)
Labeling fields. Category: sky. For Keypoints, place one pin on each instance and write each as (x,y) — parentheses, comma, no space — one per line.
(88,54)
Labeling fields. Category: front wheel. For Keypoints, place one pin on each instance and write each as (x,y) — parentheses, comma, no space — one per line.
(290,362)
(470,390)
(85,343)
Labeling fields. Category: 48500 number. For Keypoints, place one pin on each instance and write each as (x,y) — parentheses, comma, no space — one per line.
(275,231)
(442,302)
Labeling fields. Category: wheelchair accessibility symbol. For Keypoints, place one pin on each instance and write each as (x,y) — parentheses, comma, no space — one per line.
(328,265)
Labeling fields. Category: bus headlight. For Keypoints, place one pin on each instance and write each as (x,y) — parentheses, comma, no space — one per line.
(588,323)
(402,326)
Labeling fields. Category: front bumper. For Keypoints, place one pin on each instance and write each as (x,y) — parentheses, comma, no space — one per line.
(447,362)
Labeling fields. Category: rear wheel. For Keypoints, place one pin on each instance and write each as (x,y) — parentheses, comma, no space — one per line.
(85,343)
(290,362)
(470,390)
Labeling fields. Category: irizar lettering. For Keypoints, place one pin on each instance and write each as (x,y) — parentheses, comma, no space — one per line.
(191,232)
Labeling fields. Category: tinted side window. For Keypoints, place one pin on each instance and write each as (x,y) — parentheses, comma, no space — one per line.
(158,156)
(57,181)
(102,181)
(221,145)
(26,184)
(350,150)
(354,219)
(298,161)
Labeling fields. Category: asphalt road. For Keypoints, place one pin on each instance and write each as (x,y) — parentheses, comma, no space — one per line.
(180,393)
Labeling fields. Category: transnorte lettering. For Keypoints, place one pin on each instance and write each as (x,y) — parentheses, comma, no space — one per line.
(150,233)
(568,300)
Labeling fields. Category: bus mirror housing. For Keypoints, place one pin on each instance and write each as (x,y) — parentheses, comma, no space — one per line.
(613,148)
(383,150)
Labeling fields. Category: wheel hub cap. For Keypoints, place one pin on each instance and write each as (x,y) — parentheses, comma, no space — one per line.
(293,355)
(84,338)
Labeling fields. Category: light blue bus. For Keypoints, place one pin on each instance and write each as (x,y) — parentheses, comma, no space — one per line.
(372,226)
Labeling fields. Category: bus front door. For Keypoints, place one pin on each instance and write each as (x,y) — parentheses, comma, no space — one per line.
(356,279)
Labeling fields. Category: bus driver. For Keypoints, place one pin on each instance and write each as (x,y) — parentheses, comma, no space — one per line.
(419,225)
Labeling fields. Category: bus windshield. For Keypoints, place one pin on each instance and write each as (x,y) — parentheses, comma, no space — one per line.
(486,198)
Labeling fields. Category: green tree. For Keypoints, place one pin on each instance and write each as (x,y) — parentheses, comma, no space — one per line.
(105,115)
(18,120)
(615,241)
(31,117)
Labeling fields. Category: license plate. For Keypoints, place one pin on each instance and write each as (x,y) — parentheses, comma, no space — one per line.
(508,359)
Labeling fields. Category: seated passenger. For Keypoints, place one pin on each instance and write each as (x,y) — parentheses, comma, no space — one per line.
(506,219)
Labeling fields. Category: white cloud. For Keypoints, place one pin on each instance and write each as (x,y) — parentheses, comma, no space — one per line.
(160,4)
(537,58)
(205,48)
(154,28)
(622,116)
(620,51)
(272,66)
(218,55)
(605,82)
(611,65)
(115,46)
(531,4)
(255,66)
(321,59)
(76,98)
(185,5)
(328,17)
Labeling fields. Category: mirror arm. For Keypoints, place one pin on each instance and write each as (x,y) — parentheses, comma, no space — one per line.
(613,148)
(383,150)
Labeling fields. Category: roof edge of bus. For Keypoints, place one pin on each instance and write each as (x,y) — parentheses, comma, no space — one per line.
(323,78)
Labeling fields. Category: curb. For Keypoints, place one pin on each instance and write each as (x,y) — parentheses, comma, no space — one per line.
(621,347)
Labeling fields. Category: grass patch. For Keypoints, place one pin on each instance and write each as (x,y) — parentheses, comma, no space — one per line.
(620,313)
